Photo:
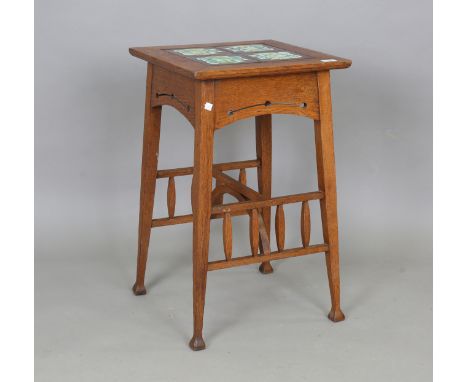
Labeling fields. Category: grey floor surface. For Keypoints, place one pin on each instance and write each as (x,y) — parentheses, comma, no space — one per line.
(89,326)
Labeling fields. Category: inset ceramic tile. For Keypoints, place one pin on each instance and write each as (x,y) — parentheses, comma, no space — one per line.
(248,48)
(197,51)
(275,56)
(220,60)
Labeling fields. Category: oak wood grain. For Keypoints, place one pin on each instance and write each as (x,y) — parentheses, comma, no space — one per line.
(263,148)
(212,97)
(171,197)
(242,176)
(161,56)
(227,236)
(245,260)
(288,199)
(201,205)
(188,218)
(149,165)
(305,224)
(237,186)
(327,184)
(253,232)
(282,94)
(279,227)
(182,171)
(175,90)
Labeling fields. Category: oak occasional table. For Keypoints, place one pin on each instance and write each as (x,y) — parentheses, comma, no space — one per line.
(213,85)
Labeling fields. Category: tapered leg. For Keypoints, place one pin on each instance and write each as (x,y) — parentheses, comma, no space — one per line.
(327,184)
(148,182)
(263,145)
(201,205)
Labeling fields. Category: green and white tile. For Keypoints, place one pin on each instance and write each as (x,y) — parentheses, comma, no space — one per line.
(248,48)
(275,56)
(222,60)
(197,51)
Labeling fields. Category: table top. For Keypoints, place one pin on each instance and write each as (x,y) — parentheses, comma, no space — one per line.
(238,59)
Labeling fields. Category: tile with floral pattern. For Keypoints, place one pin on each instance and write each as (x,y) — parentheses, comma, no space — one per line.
(197,51)
(275,56)
(248,48)
(222,60)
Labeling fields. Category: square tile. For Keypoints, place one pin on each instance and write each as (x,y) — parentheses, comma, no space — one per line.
(249,48)
(268,56)
(222,60)
(198,51)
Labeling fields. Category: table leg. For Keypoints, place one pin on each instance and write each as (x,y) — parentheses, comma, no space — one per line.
(327,184)
(201,205)
(263,137)
(149,166)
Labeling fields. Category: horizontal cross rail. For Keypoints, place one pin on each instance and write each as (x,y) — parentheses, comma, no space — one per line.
(162,222)
(182,219)
(240,208)
(219,166)
(293,252)
(249,205)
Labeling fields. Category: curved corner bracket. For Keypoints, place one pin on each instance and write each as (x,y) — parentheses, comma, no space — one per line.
(222,189)
(174,97)
(170,99)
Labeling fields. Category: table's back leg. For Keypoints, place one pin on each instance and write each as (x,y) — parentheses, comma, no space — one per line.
(149,166)
(327,184)
(263,137)
(201,204)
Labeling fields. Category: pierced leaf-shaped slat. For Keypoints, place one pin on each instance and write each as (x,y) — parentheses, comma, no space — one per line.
(243,176)
(227,236)
(305,224)
(171,197)
(279,227)
(254,232)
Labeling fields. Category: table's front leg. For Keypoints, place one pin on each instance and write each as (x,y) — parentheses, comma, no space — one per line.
(201,203)
(327,184)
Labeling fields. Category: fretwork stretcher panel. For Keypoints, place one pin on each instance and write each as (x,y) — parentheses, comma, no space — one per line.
(214,85)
